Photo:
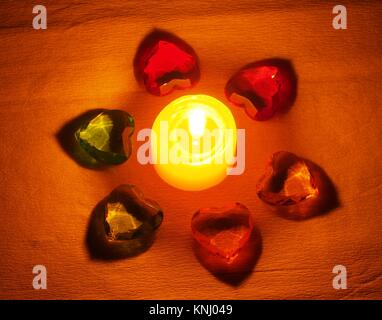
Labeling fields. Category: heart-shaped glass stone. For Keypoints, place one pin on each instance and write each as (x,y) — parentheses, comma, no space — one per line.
(296,187)
(101,136)
(124,223)
(225,238)
(165,62)
(263,88)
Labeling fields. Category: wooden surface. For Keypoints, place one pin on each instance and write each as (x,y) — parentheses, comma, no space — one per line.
(84,61)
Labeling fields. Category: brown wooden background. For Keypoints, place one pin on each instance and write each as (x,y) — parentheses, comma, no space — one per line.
(84,61)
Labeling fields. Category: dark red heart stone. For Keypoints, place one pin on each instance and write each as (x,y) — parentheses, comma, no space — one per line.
(263,88)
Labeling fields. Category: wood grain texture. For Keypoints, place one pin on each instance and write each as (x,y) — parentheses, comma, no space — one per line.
(84,61)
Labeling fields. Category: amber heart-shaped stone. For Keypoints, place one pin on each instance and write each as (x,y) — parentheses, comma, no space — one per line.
(123,224)
(225,238)
(165,62)
(296,187)
(263,88)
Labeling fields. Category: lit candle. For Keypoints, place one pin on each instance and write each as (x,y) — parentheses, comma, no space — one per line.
(193,142)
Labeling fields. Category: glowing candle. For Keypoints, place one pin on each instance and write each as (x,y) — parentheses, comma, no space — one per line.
(193,142)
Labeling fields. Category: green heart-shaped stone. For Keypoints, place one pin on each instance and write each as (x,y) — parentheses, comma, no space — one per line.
(101,136)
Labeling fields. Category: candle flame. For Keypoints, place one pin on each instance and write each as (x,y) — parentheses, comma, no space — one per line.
(196,122)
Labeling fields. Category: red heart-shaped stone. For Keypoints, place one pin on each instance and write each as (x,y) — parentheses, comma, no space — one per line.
(165,62)
(225,238)
(263,88)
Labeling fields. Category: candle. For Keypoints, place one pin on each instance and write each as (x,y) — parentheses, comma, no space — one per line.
(193,142)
